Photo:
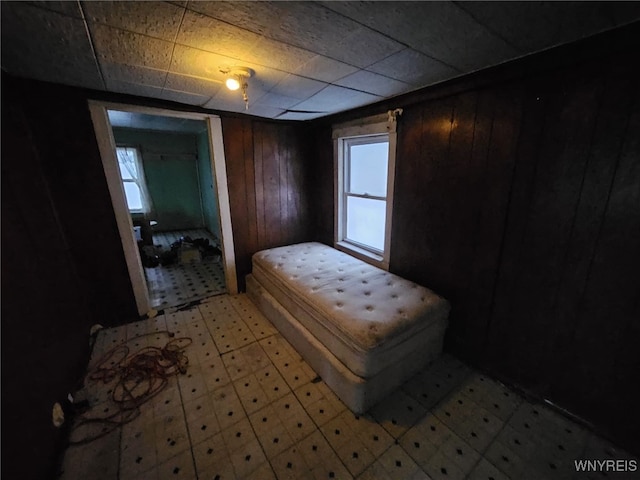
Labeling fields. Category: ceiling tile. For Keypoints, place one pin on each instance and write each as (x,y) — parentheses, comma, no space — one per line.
(46,45)
(194,62)
(374,83)
(133,74)
(119,46)
(532,26)
(334,99)
(315,28)
(196,85)
(238,106)
(278,55)
(69,8)
(278,101)
(293,115)
(307,25)
(134,89)
(226,105)
(413,67)
(258,17)
(254,92)
(307,56)
(205,33)
(438,29)
(358,100)
(184,97)
(263,111)
(362,47)
(155,19)
(325,69)
(298,87)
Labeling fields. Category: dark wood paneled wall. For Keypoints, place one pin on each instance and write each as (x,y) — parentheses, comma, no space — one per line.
(44,310)
(566,313)
(268,186)
(55,270)
(517,197)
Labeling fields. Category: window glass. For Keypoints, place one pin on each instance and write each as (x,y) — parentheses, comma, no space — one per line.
(366,221)
(368,169)
(128,163)
(134,198)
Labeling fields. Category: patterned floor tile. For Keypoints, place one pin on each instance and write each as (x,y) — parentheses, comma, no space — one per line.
(247,406)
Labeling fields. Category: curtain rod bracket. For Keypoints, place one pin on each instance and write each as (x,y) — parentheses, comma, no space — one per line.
(393,114)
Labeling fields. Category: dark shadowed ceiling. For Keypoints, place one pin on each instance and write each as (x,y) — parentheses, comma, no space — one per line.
(310,59)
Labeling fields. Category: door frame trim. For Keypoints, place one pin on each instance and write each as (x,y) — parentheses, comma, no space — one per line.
(107,147)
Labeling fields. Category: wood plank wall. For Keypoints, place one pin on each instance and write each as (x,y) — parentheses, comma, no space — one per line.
(519,201)
(268,185)
(46,309)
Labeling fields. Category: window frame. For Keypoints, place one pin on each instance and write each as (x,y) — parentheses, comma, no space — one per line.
(145,207)
(345,135)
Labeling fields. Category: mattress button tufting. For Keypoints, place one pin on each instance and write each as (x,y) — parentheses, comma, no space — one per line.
(339,304)
(369,308)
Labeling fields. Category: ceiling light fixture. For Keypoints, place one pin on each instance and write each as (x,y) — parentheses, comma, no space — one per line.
(237,79)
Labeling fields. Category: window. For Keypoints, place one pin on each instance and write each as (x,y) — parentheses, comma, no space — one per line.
(365,155)
(365,165)
(132,177)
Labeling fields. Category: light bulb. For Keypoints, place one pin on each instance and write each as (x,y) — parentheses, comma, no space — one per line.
(233,83)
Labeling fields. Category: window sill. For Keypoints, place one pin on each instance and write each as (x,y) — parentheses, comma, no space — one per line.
(362,254)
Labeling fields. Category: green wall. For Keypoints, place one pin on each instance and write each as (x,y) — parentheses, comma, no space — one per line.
(171,170)
(208,192)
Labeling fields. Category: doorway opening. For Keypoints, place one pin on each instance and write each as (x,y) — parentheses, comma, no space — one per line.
(167,179)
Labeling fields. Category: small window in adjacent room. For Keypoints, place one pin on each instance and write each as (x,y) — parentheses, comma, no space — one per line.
(365,159)
(132,176)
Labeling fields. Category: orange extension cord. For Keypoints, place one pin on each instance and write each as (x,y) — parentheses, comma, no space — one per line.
(140,377)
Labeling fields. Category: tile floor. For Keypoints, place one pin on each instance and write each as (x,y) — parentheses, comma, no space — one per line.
(181,283)
(249,407)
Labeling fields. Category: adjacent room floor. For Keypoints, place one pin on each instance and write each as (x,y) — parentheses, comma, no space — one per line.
(183,282)
(248,407)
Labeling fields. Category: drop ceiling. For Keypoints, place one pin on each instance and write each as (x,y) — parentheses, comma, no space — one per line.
(310,59)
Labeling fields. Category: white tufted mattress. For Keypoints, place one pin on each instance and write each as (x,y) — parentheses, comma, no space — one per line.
(368,318)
